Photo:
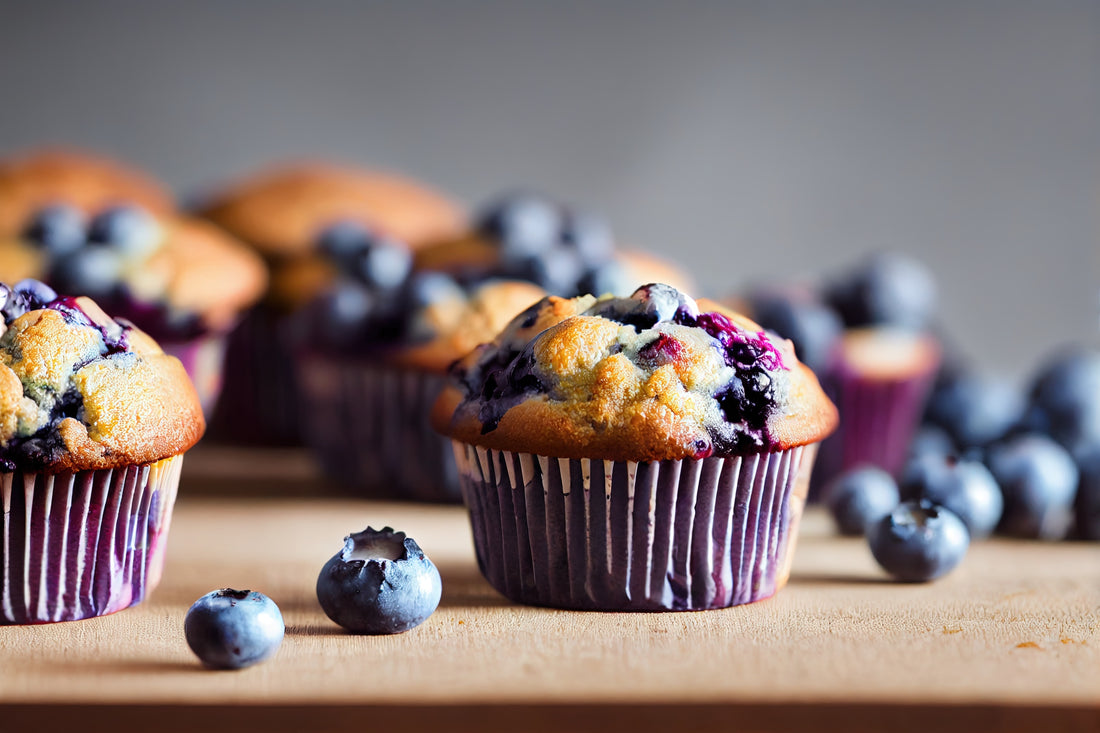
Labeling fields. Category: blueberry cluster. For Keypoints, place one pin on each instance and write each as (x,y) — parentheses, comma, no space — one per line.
(564,251)
(378,298)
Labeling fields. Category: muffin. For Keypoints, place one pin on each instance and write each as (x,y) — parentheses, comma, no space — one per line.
(562,249)
(282,213)
(86,227)
(642,453)
(94,422)
(372,355)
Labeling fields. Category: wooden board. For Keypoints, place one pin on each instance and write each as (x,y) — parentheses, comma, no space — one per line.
(1008,641)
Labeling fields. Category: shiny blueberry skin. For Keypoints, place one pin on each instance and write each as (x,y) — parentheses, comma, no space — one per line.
(1039,481)
(344,241)
(860,496)
(92,271)
(918,541)
(975,410)
(812,327)
(964,486)
(231,629)
(1087,502)
(647,306)
(131,230)
(384,265)
(57,229)
(379,583)
(1065,399)
(522,224)
(889,289)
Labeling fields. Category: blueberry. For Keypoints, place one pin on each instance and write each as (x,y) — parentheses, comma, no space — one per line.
(34,293)
(341,315)
(384,264)
(589,235)
(812,327)
(889,289)
(860,496)
(344,241)
(647,306)
(931,439)
(522,224)
(918,541)
(380,583)
(57,229)
(966,487)
(1039,480)
(131,230)
(1065,399)
(556,270)
(92,271)
(231,629)
(425,288)
(1087,503)
(975,410)
(609,278)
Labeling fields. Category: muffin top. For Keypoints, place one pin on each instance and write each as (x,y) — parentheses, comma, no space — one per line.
(656,376)
(81,391)
(75,178)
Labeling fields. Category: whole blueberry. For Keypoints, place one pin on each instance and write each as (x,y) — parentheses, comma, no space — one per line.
(92,271)
(557,270)
(1039,481)
(975,410)
(609,278)
(58,229)
(647,306)
(860,496)
(1087,503)
(131,230)
(342,314)
(1065,399)
(931,439)
(522,224)
(812,327)
(344,241)
(964,486)
(888,289)
(589,235)
(425,288)
(34,293)
(384,264)
(231,629)
(379,583)
(918,541)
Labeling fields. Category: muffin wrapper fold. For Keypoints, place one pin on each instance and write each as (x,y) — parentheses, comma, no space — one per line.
(626,536)
(84,544)
(203,358)
(369,428)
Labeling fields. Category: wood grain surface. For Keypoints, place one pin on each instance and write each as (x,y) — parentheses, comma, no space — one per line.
(1009,641)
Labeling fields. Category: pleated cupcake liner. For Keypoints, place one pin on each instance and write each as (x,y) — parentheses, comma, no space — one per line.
(84,544)
(626,536)
(204,360)
(368,427)
(258,404)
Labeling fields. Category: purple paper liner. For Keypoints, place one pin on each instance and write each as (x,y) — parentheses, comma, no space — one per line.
(203,358)
(85,544)
(625,536)
(258,404)
(369,428)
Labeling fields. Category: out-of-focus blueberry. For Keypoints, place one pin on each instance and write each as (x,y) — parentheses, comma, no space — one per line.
(344,241)
(1087,503)
(557,270)
(589,235)
(976,410)
(381,582)
(384,265)
(58,229)
(425,288)
(889,289)
(860,496)
(131,230)
(1065,399)
(1039,480)
(918,541)
(343,313)
(812,327)
(231,629)
(931,439)
(92,271)
(966,487)
(609,278)
(522,224)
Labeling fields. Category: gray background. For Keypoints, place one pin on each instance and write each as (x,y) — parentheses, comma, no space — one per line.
(750,139)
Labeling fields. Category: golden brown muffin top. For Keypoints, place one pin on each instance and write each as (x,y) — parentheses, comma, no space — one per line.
(652,377)
(81,391)
(76,178)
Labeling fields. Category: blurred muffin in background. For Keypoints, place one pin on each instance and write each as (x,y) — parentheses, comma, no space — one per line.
(281,212)
(564,250)
(88,226)
(372,354)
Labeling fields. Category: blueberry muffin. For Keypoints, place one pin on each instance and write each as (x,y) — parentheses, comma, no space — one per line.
(94,422)
(641,453)
(372,356)
(281,213)
(564,250)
